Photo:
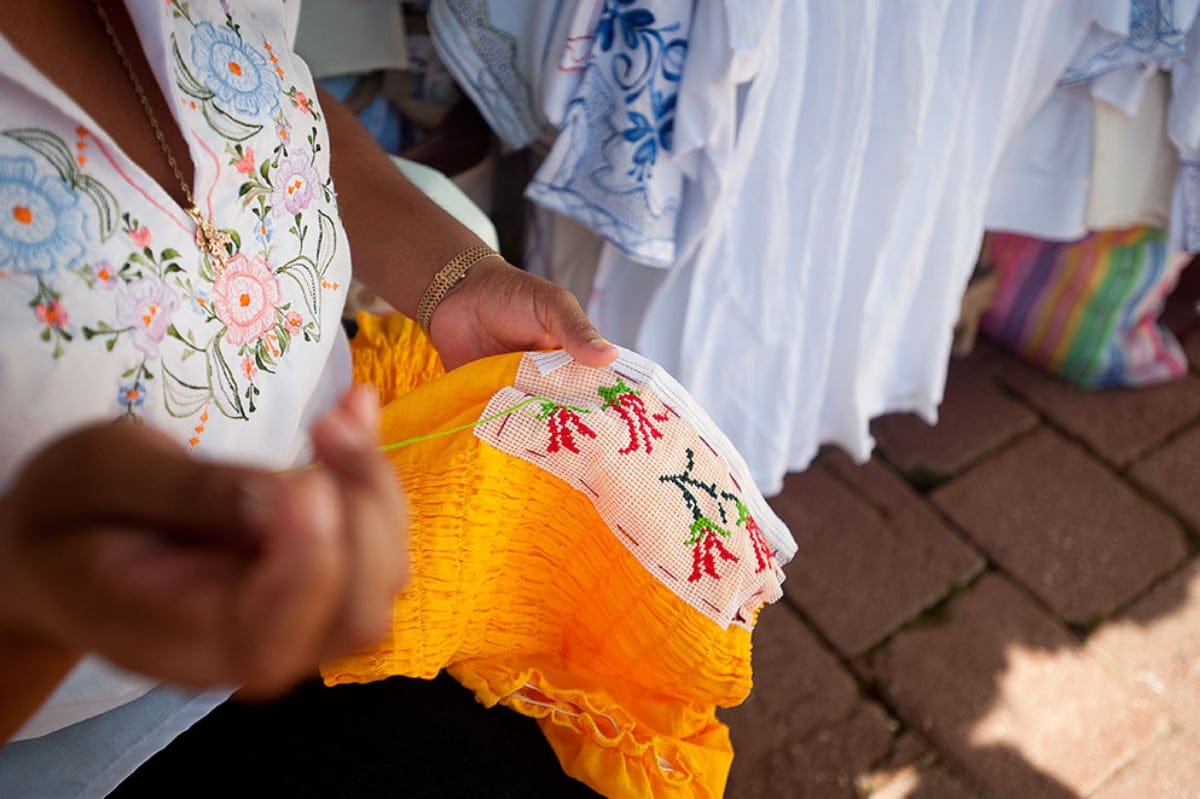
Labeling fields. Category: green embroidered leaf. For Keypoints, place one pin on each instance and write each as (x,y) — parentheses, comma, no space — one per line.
(183,399)
(169,254)
(224,387)
(304,272)
(227,126)
(105,202)
(49,147)
(326,242)
(184,78)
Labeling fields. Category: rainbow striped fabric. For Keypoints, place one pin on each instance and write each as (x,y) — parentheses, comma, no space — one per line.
(1087,310)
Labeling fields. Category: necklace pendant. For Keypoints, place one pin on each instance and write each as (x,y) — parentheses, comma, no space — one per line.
(211,240)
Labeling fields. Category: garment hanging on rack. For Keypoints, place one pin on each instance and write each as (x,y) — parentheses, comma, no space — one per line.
(837,163)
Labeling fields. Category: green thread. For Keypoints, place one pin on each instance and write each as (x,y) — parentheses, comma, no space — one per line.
(549,406)
(429,436)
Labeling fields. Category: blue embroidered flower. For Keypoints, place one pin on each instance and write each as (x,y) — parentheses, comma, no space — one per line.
(238,76)
(41,226)
(131,395)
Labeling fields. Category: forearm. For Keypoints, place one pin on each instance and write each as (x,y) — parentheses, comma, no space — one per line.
(399,238)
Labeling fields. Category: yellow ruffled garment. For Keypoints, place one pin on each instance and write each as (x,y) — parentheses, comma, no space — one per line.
(552,593)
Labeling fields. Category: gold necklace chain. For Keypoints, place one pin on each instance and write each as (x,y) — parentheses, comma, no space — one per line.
(211,240)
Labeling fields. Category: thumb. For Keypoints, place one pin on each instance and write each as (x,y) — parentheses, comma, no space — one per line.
(567,322)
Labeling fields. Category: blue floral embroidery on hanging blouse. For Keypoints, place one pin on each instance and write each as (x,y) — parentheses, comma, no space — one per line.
(1154,37)
(609,168)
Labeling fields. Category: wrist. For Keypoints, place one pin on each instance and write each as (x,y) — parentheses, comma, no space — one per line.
(448,278)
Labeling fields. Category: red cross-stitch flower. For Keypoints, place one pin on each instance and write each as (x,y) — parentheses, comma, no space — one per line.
(762,552)
(706,546)
(629,405)
(561,419)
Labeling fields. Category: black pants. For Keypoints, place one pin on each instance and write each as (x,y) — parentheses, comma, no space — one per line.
(398,737)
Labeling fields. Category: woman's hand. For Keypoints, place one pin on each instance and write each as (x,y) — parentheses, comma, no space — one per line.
(498,308)
(114,540)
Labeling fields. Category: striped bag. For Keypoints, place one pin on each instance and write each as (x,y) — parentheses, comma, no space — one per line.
(1087,310)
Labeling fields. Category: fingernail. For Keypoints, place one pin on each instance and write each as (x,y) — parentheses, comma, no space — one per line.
(600,343)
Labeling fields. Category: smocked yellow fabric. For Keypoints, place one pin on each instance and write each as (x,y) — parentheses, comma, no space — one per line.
(522,592)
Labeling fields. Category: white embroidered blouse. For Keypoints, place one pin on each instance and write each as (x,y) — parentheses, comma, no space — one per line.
(108,310)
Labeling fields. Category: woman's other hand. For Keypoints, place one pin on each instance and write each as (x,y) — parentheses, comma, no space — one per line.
(498,308)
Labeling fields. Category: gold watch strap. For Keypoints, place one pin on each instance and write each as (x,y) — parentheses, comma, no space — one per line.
(447,278)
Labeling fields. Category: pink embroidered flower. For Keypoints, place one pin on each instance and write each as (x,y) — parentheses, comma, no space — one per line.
(295,323)
(245,164)
(51,314)
(145,307)
(303,101)
(140,237)
(248,368)
(245,297)
(295,183)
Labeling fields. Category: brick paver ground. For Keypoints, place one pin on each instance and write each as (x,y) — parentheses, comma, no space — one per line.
(1004,605)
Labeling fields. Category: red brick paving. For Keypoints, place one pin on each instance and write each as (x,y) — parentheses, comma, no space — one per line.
(929,783)
(1118,424)
(867,568)
(1155,645)
(1005,692)
(1172,473)
(1171,770)
(804,731)
(993,696)
(975,418)
(1063,525)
